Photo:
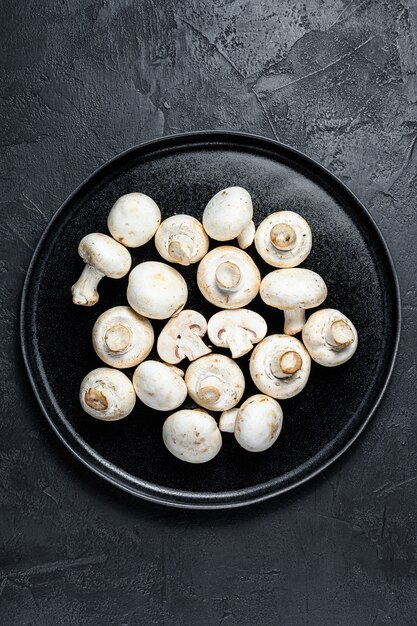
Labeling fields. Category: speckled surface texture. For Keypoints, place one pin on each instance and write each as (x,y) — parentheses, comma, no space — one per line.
(79,83)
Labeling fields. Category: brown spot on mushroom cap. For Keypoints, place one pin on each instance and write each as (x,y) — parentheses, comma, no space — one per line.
(274,429)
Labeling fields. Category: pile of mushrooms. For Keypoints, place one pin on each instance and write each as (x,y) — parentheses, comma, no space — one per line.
(279,363)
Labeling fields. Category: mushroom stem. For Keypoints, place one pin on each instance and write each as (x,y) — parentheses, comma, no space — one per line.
(239,342)
(181,250)
(118,338)
(294,320)
(84,291)
(228,275)
(340,334)
(191,346)
(286,364)
(290,362)
(96,399)
(208,389)
(283,237)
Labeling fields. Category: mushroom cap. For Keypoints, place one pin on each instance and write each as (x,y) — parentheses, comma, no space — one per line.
(228,278)
(258,423)
(159,386)
(133,219)
(297,251)
(265,366)
(107,394)
(238,328)
(122,338)
(104,254)
(192,436)
(215,382)
(156,290)
(181,239)
(320,341)
(179,337)
(294,288)
(228,213)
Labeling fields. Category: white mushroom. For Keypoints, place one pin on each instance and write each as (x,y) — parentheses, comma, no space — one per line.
(258,423)
(330,337)
(237,330)
(133,219)
(227,420)
(283,239)
(156,290)
(228,278)
(103,257)
(181,239)
(246,237)
(280,366)
(181,338)
(192,436)
(107,394)
(122,338)
(159,386)
(293,291)
(228,213)
(215,382)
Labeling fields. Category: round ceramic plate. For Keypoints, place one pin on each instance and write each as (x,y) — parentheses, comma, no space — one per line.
(181,173)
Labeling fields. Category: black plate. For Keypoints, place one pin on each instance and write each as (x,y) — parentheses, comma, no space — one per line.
(181,173)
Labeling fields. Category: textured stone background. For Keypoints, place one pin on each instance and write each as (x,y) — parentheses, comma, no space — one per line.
(82,81)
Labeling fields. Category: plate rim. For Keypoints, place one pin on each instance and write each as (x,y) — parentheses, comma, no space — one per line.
(188,499)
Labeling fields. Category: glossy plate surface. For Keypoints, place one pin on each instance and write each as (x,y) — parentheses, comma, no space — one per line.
(181,173)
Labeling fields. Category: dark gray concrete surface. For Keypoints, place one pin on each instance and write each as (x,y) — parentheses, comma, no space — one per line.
(81,81)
